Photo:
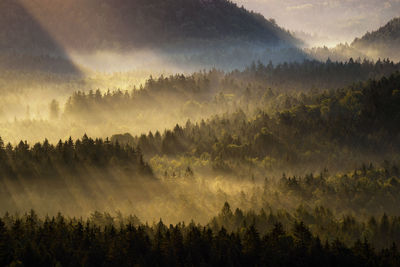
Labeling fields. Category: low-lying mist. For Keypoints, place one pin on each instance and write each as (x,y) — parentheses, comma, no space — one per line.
(198,193)
(238,133)
(173,201)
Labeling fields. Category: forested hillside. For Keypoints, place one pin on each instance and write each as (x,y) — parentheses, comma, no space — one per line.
(25,45)
(336,128)
(382,43)
(167,100)
(162,102)
(385,41)
(44,160)
(124,24)
(73,175)
(311,163)
(125,126)
(191,33)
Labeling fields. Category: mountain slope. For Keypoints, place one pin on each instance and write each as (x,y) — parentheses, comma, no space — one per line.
(206,32)
(124,24)
(25,44)
(384,42)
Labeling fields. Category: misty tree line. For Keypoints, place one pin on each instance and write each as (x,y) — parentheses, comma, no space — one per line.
(313,74)
(365,190)
(260,86)
(368,190)
(362,118)
(380,230)
(61,241)
(43,160)
(385,37)
(382,43)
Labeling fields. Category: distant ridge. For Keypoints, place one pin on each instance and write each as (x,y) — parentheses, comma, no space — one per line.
(125,24)
(384,42)
(184,33)
(26,45)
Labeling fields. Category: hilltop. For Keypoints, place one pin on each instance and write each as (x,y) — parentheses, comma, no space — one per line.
(126,24)
(384,42)
(197,32)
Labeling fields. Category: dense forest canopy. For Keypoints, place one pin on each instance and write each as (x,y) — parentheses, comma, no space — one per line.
(280,143)
(258,88)
(107,241)
(301,133)
(44,159)
(162,101)
(340,124)
(157,113)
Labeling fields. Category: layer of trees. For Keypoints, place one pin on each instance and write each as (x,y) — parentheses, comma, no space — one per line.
(32,241)
(387,33)
(203,94)
(380,230)
(44,160)
(365,191)
(347,123)
(312,74)
(384,42)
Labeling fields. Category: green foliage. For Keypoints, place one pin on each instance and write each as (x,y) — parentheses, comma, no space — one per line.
(335,125)
(210,92)
(313,74)
(367,190)
(44,160)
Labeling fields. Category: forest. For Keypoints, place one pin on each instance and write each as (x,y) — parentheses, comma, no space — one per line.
(307,153)
(314,174)
(71,242)
(195,133)
(383,41)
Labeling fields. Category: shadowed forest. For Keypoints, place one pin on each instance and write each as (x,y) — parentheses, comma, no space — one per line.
(193,133)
